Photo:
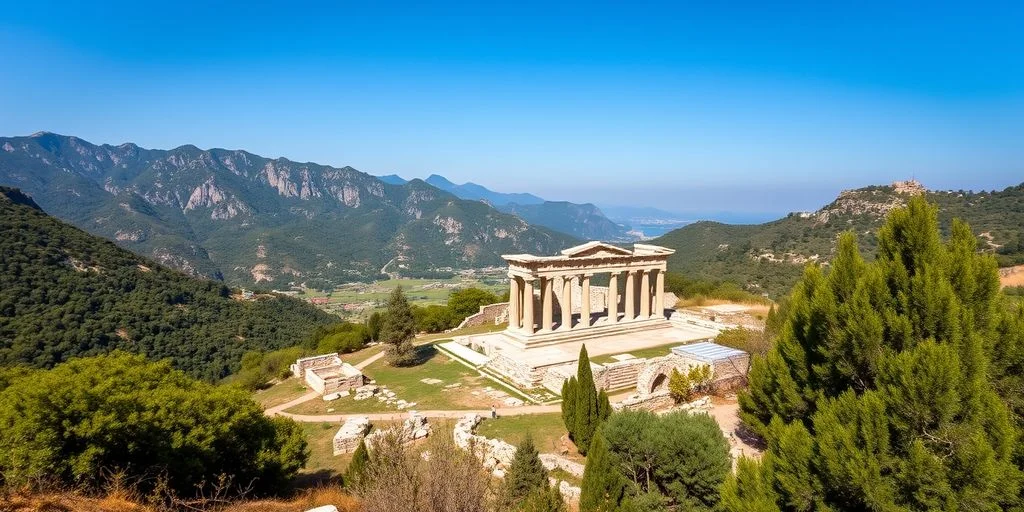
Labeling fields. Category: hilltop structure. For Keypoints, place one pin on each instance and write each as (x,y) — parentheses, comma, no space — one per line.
(555,308)
(327,373)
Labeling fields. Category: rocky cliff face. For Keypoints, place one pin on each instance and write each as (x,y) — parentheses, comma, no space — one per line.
(212,211)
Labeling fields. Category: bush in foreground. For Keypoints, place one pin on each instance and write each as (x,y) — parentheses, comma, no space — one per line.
(120,413)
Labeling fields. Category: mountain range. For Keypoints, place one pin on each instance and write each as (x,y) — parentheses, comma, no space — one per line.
(246,218)
(769,257)
(583,221)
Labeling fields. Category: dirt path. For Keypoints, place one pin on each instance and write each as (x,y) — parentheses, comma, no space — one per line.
(401,415)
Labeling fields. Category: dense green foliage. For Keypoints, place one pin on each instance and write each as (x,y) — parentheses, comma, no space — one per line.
(603,488)
(398,329)
(221,213)
(687,288)
(583,407)
(357,467)
(894,384)
(525,480)
(461,304)
(682,457)
(715,251)
(685,385)
(65,293)
(90,417)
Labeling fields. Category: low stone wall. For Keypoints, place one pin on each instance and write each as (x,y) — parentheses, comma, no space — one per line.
(649,402)
(619,374)
(552,461)
(351,432)
(491,314)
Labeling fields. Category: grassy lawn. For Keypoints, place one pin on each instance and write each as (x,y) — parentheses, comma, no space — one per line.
(660,350)
(343,405)
(546,429)
(446,336)
(362,354)
(322,462)
(407,384)
(279,393)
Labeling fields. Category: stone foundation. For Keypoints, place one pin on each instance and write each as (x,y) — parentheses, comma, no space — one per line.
(351,432)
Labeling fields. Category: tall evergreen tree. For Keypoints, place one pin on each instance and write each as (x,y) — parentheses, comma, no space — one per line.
(881,392)
(356,471)
(525,476)
(569,388)
(398,329)
(603,488)
(586,414)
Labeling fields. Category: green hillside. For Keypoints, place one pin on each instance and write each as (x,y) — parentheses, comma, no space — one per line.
(768,258)
(65,293)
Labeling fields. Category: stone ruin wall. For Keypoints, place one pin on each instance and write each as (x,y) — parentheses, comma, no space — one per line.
(491,314)
(308,363)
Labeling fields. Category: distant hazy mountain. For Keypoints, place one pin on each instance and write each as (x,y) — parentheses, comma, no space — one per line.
(770,257)
(579,220)
(393,179)
(248,218)
(476,192)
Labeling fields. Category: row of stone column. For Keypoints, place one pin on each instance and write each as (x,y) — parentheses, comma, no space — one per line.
(642,299)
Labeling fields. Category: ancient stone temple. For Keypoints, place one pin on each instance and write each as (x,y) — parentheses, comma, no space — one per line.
(608,297)
(541,305)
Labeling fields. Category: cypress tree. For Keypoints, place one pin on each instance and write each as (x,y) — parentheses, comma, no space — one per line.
(356,471)
(526,475)
(569,391)
(586,416)
(883,388)
(603,487)
(398,329)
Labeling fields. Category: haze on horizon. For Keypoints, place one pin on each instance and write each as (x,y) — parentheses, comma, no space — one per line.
(689,109)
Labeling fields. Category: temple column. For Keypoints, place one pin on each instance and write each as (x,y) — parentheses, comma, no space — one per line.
(630,303)
(585,300)
(659,294)
(645,294)
(566,303)
(527,295)
(547,298)
(513,303)
(613,297)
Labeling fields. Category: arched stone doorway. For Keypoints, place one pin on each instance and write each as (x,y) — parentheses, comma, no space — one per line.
(655,376)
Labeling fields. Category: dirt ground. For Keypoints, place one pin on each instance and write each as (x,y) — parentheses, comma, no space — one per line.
(726,412)
(1012,276)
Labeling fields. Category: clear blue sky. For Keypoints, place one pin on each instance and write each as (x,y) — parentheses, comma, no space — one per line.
(761,107)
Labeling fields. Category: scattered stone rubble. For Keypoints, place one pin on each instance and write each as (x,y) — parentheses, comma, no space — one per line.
(383,394)
(497,455)
(351,432)
(413,428)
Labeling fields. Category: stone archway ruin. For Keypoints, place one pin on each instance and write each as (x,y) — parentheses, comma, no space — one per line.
(655,375)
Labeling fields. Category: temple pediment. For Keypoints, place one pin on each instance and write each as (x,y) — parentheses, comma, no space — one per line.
(595,249)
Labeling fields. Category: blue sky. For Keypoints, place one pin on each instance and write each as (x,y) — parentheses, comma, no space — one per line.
(755,108)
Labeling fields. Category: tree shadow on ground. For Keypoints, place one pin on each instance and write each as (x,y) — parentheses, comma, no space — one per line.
(318,478)
(424,353)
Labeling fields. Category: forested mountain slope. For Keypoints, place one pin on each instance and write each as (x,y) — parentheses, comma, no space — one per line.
(66,293)
(769,257)
(246,218)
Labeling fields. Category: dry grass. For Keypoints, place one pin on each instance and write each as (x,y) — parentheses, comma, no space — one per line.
(119,501)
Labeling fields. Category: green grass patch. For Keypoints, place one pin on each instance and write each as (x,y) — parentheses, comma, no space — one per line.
(407,383)
(645,353)
(280,393)
(546,429)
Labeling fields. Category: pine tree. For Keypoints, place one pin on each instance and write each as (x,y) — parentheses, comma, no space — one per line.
(356,471)
(525,475)
(603,487)
(883,389)
(398,329)
(544,500)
